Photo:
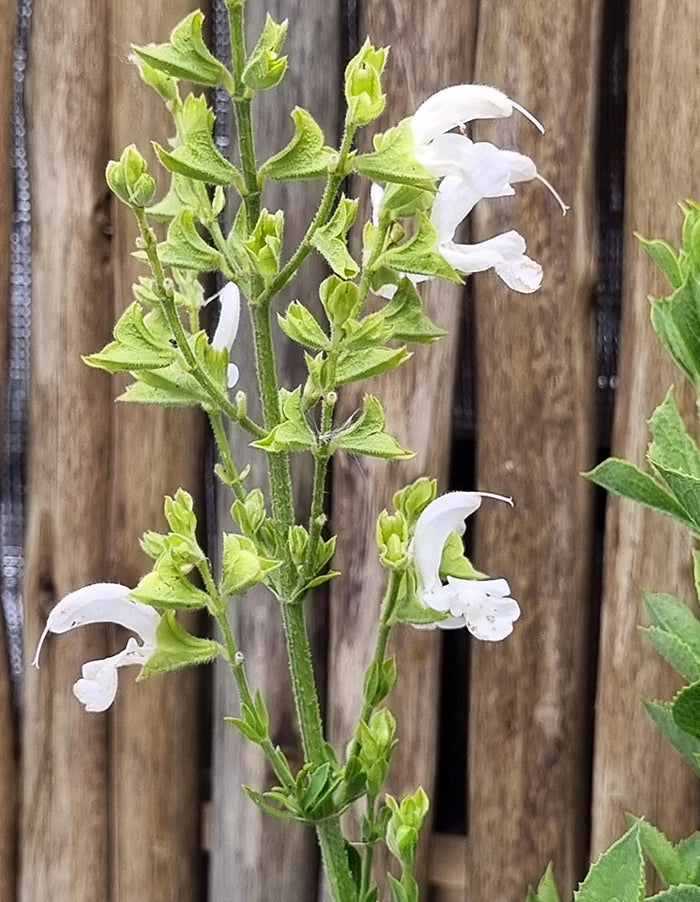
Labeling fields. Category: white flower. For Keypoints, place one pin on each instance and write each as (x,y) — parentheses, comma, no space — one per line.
(103,603)
(483,606)
(227,327)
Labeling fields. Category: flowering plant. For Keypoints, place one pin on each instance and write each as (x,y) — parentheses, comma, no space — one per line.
(424,179)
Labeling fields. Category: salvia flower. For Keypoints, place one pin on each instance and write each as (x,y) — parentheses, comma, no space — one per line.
(227,327)
(483,606)
(104,603)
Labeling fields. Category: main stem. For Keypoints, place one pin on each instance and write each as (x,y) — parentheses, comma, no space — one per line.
(330,835)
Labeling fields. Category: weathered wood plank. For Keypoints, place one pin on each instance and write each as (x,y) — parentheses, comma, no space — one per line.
(428,51)
(156,852)
(64,791)
(635,768)
(528,743)
(240,859)
(8,774)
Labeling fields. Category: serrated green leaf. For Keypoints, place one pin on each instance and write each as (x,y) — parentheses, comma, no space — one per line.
(199,159)
(664,256)
(666,329)
(176,648)
(686,745)
(672,447)
(546,890)
(137,346)
(182,194)
(301,326)
(265,68)
(661,852)
(677,322)
(355,364)
(305,157)
(184,247)
(168,386)
(677,894)
(393,160)
(625,479)
(686,709)
(675,618)
(618,874)
(688,851)
(419,254)
(367,435)
(186,55)
(675,651)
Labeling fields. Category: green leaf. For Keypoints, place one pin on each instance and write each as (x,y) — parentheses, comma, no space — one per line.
(183,193)
(140,343)
(367,435)
(197,157)
(177,648)
(186,55)
(393,160)
(660,852)
(331,240)
(677,894)
(672,447)
(686,745)
(294,432)
(242,566)
(405,316)
(688,851)
(184,248)
(168,386)
(306,156)
(665,258)
(419,254)
(454,562)
(301,326)
(677,322)
(354,365)
(673,618)
(265,68)
(675,651)
(618,874)
(686,709)
(625,479)
(546,889)
(666,329)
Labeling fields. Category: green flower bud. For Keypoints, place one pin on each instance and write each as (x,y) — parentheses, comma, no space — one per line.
(128,178)
(392,539)
(265,244)
(404,825)
(339,299)
(298,540)
(265,67)
(363,86)
(412,500)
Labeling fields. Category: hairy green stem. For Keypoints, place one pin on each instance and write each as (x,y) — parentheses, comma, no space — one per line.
(232,475)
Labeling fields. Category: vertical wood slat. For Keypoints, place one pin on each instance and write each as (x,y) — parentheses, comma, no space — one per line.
(156,772)
(65,832)
(8,764)
(428,51)
(635,768)
(528,740)
(269,859)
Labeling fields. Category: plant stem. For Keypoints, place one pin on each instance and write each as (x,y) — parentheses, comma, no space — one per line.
(230,469)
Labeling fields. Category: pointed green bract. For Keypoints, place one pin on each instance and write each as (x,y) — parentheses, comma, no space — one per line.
(294,432)
(177,648)
(331,240)
(265,67)
(367,435)
(419,254)
(242,566)
(546,889)
(354,365)
(665,258)
(186,249)
(301,326)
(393,160)
(186,55)
(405,315)
(305,157)
(141,343)
(455,563)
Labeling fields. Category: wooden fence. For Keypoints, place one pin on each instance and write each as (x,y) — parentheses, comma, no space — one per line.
(144,803)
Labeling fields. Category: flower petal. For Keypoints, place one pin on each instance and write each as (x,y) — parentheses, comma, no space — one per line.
(505,253)
(229,316)
(101,603)
(376,196)
(456,105)
(97,688)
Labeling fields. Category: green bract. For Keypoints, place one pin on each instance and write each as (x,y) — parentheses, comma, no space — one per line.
(306,156)
(129,180)
(186,55)
(265,67)
(363,85)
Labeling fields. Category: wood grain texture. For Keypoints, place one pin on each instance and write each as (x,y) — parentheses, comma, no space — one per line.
(8,750)
(156,843)
(535,355)
(430,48)
(65,833)
(635,768)
(240,858)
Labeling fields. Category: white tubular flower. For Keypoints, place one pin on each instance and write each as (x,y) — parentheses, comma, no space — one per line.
(504,253)
(104,603)
(227,327)
(483,606)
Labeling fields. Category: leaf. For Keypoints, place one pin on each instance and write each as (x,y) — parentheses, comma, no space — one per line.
(331,240)
(688,851)
(405,315)
(660,852)
(673,616)
(454,562)
(184,248)
(393,160)
(242,566)
(677,322)
(168,386)
(677,894)
(625,479)
(686,745)
(419,254)
(675,651)
(305,157)
(177,648)
(294,432)
(367,435)
(182,194)
(136,345)
(197,156)
(186,55)
(672,447)
(665,258)
(546,889)
(301,326)
(354,365)
(686,709)
(618,874)
(164,587)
